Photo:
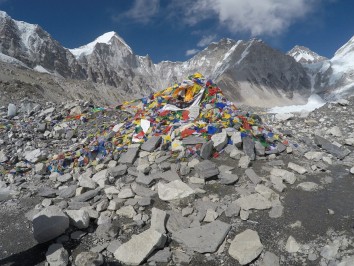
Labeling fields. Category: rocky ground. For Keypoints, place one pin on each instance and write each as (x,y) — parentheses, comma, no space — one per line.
(288,206)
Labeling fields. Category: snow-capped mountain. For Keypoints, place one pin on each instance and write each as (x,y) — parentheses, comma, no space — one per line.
(303,54)
(34,47)
(247,71)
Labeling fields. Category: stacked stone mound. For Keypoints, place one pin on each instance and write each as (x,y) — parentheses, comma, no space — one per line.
(192,118)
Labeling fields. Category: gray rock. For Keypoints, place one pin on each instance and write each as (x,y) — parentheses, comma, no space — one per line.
(253,176)
(228,179)
(68,192)
(107,230)
(57,255)
(47,192)
(276,211)
(254,201)
(11,110)
(114,245)
(86,196)
(139,247)
(117,171)
(269,259)
(260,149)
(151,144)
(297,168)
(158,220)
(219,140)
(207,150)
(285,175)
(79,218)
(249,148)
(181,258)
(206,169)
(100,178)
(339,152)
(246,247)
(291,245)
(3,157)
(192,140)
(244,162)
(176,222)
(184,170)
(89,259)
(49,223)
(143,191)
(308,186)
(64,178)
(203,239)
(34,156)
(236,139)
(174,190)
(280,147)
(232,210)
(146,180)
(129,156)
(161,256)
(169,175)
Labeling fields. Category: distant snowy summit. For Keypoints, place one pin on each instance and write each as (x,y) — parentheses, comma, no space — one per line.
(303,54)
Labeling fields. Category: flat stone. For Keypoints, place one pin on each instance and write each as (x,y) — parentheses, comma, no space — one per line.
(232,210)
(207,150)
(210,216)
(297,168)
(174,190)
(308,186)
(3,157)
(47,192)
(126,211)
(244,162)
(333,149)
(114,245)
(285,175)
(79,218)
(192,140)
(329,252)
(228,179)
(126,193)
(236,154)
(176,222)
(203,239)
(206,169)
(291,245)
(260,149)
(100,177)
(269,259)
(129,156)
(313,155)
(86,196)
(276,211)
(161,256)
(158,220)
(236,139)
(68,192)
(56,255)
(219,140)
(139,247)
(34,156)
(143,191)
(254,201)
(151,144)
(246,247)
(118,171)
(89,258)
(251,174)
(49,223)
(248,148)
(107,230)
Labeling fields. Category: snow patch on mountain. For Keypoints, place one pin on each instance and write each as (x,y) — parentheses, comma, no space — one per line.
(304,55)
(105,38)
(41,69)
(314,102)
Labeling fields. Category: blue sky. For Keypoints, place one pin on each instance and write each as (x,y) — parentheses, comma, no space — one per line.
(176,29)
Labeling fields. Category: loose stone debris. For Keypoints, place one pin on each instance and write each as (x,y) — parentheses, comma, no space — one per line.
(180,176)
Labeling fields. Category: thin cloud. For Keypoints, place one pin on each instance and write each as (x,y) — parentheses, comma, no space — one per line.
(266,17)
(142,11)
(206,40)
(191,52)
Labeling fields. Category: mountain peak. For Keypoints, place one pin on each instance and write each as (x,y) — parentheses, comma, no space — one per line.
(303,54)
(3,14)
(106,38)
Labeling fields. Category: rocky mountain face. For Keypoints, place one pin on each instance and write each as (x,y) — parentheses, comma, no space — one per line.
(304,55)
(331,78)
(243,68)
